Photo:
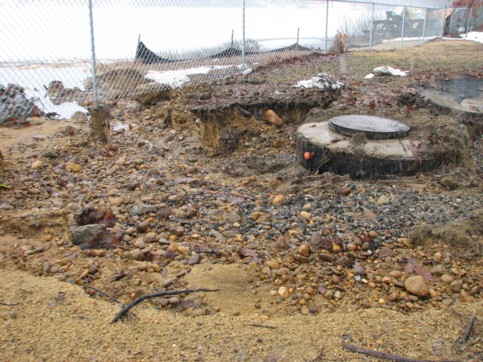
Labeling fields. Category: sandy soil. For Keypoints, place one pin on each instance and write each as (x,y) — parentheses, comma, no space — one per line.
(48,314)
(52,320)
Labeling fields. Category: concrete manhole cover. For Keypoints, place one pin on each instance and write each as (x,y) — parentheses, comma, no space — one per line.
(373,127)
(321,149)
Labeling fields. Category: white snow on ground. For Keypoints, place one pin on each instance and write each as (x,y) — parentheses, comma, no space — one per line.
(34,79)
(321,81)
(473,35)
(390,71)
(177,78)
(65,110)
(386,70)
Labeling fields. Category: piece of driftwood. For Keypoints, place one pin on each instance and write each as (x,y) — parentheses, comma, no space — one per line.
(142,298)
(468,329)
(382,355)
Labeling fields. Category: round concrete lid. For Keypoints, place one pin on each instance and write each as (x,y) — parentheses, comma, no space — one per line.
(373,127)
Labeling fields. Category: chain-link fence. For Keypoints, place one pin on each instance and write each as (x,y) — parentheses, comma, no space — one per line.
(60,55)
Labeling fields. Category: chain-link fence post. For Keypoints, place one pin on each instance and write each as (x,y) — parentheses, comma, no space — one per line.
(468,22)
(326,24)
(424,24)
(243,37)
(99,116)
(444,20)
(372,27)
(93,57)
(451,21)
(402,27)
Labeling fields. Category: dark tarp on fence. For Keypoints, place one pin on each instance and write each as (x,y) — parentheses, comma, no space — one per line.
(229,52)
(293,47)
(146,56)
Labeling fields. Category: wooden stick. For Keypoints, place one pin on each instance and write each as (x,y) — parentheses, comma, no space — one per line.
(262,326)
(142,298)
(382,355)
(234,193)
(103,293)
(468,330)
(9,304)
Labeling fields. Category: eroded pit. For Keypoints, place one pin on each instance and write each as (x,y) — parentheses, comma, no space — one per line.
(462,98)
(380,148)
(224,122)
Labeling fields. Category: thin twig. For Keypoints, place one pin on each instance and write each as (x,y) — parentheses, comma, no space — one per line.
(468,330)
(207,252)
(234,193)
(10,304)
(262,326)
(382,355)
(142,298)
(319,357)
(104,293)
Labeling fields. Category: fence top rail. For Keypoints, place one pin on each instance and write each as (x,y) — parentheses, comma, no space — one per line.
(431,4)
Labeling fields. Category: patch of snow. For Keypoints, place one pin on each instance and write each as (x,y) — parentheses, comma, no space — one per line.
(35,78)
(472,35)
(247,71)
(65,110)
(475,36)
(386,70)
(118,126)
(321,81)
(369,76)
(177,78)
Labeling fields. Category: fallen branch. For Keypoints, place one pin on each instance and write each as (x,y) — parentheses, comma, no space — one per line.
(103,293)
(382,355)
(468,330)
(142,298)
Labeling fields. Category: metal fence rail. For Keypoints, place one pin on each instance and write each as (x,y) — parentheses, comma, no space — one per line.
(60,55)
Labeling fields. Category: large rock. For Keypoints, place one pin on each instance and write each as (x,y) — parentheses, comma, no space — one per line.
(88,236)
(117,82)
(15,106)
(151,93)
(58,94)
(417,285)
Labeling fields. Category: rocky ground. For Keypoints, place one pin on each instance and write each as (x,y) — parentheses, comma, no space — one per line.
(200,191)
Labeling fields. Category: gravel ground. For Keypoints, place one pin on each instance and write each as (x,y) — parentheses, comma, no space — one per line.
(156,209)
